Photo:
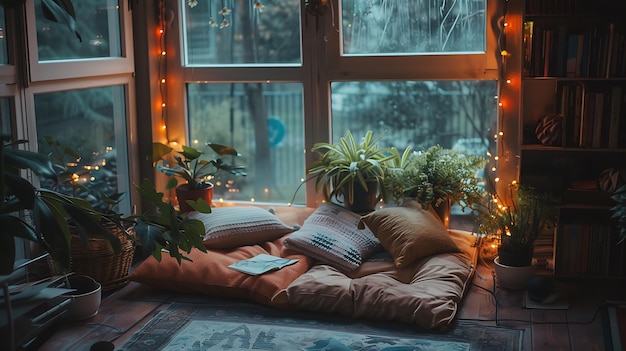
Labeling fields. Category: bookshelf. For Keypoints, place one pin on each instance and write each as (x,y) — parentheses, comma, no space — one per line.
(573,127)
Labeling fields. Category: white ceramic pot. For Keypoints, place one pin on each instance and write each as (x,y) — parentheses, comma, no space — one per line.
(86,299)
(515,278)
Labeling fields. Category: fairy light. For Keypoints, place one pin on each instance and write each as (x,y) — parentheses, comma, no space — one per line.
(162,67)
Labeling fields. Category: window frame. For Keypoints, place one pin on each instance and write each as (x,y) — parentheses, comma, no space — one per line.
(68,69)
(321,65)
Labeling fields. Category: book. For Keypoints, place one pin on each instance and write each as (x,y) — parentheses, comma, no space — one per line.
(261,263)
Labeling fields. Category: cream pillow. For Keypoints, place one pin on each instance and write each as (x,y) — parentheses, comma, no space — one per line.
(409,232)
(231,227)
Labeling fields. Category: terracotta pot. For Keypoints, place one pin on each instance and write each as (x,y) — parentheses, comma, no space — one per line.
(364,201)
(515,278)
(183,194)
(444,211)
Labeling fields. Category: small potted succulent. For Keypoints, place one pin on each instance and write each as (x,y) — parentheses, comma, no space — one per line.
(352,172)
(195,170)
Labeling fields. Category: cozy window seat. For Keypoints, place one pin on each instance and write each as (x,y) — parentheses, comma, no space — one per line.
(418,281)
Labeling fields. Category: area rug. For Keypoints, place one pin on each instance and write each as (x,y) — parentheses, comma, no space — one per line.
(253,327)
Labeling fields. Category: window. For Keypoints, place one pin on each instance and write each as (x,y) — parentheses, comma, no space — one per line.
(92,122)
(271,83)
(80,93)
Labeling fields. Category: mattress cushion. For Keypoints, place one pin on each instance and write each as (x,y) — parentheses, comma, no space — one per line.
(425,293)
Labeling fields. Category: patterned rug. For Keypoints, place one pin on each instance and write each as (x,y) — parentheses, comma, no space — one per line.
(241,326)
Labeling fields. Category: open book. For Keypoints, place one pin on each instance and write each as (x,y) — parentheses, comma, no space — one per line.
(261,263)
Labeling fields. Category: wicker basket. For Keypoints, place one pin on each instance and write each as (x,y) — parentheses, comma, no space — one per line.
(97,260)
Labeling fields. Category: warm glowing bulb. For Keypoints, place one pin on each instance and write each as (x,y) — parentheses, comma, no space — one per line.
(496,158)
(266,190)
(504,53)
(500,133)
(195,141)
(514,182)
(162,80)
(251,199)
(506,24)
(497,179)
(508,81)
(163,53)
(493,169)
(163,104)
(500,104)
(174,143)
(163,126)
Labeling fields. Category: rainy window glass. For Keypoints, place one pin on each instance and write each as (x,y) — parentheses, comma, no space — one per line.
(265,124)
(97,31)
(242,34)
(3,40)
(389,27)
(92,123)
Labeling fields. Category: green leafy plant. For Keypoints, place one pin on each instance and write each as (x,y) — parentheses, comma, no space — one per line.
(343,164)
(437,175)
(618,211)
(517,219)
(44,216)
(190,165)
(37,214)
(162,227)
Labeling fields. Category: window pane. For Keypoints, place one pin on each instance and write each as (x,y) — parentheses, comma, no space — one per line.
(417,113)
(268,37)
(92,122)
(4,59)
(391,27)
(460,115)
(264,122)
(98,24)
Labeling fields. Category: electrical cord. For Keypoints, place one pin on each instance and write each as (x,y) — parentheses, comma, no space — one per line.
(498,320)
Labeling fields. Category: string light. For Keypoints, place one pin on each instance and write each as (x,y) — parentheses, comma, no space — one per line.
(162,67)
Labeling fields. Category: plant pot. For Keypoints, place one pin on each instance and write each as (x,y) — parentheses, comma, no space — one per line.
(364,201)
(510,277)
(517,258)
(86,299)
(443,211)
(183,193)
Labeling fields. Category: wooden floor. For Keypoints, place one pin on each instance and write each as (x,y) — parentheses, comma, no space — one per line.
(579,327)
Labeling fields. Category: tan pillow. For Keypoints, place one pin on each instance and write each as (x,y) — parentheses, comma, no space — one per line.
(231,227)
(409,232)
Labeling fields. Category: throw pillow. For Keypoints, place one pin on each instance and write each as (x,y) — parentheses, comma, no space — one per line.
(331,235)
(230,227)
(409,232)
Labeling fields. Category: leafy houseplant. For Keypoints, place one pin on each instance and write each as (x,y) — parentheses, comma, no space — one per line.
(193,169)
(47,209)
(438,177)
(41,215)
(517,220)
(345,168)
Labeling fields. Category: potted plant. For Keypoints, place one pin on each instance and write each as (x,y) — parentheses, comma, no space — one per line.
(352,172)
(49,211)
(517,220)
(195,170)
(439,177)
